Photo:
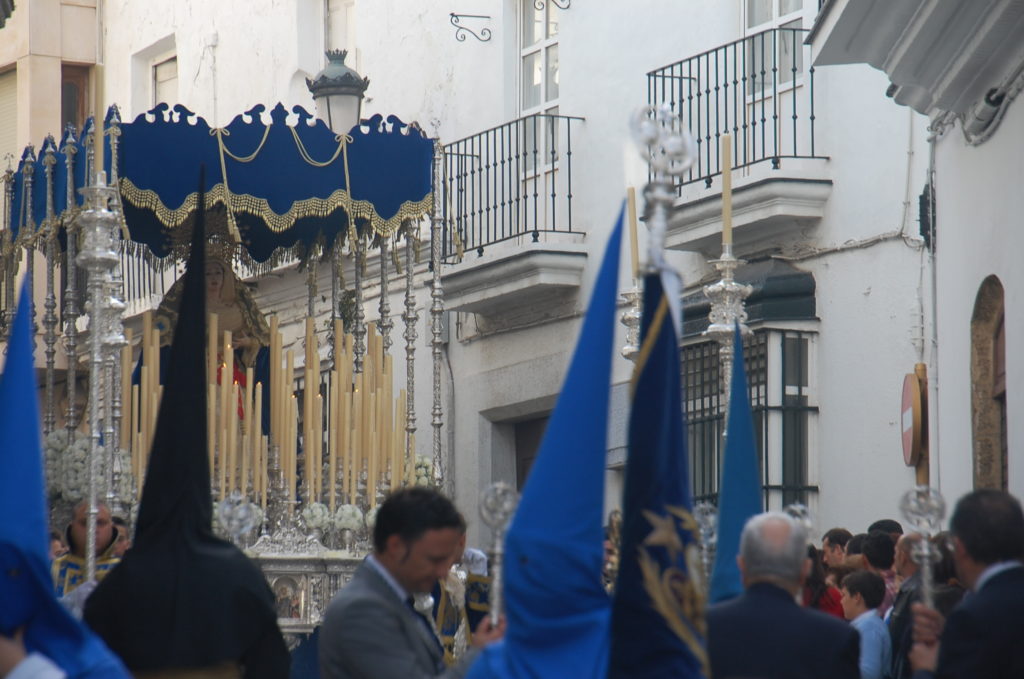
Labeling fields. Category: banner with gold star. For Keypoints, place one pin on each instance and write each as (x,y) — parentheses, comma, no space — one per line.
(658,610)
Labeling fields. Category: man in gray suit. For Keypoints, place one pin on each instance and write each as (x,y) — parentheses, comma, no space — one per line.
(371,629)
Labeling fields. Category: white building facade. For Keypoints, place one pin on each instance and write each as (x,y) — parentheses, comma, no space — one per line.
(531,100)
(961,65)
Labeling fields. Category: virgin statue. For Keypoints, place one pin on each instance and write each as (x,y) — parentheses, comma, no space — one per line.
(236,310)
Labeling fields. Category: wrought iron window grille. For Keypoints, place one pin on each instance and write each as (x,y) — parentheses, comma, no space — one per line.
(778,364)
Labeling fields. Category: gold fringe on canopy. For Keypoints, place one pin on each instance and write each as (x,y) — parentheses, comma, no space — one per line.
(172,218)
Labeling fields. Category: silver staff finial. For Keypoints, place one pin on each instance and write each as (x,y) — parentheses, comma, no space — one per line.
(497,506)
(924,508)
(669,150)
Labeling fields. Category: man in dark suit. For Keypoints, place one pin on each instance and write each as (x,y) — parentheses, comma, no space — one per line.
(901,618)
(371,628)
(984,635)
(764,633)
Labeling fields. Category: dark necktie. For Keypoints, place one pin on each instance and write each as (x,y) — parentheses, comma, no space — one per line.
(430,630)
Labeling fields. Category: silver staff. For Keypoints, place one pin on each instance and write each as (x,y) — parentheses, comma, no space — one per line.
(925,508)
(497,506)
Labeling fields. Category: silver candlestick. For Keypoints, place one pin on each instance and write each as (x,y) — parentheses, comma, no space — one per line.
(497,506)
(727,308)
(924,508)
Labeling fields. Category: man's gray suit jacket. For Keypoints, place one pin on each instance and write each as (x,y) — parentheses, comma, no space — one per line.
(370,633)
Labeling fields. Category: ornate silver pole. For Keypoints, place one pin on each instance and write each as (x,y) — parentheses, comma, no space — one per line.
(113,342)
(436,314)
(359,331)
(706,515)
(384,305)
(70,149)
(337,284)
(924,508)
(411,318)
(7,248)
(49,235)
(99,258)
(311,288)
(28,232)
(497,506)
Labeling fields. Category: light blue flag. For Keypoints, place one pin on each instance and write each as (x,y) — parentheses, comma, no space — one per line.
(740,496)
(558,611)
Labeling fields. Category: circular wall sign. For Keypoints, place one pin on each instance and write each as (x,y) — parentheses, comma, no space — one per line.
(911,419)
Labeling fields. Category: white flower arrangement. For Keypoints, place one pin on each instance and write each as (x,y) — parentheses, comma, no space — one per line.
(371,517)
(317,516)
(348,517)
(424,470)
(235,517)
(67,467)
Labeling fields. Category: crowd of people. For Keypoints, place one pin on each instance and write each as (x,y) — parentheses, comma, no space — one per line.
(853,608)
(875,582)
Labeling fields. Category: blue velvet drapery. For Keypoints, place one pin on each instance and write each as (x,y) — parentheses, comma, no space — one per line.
(280,184)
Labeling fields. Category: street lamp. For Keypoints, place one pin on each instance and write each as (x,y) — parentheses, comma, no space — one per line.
(338,93)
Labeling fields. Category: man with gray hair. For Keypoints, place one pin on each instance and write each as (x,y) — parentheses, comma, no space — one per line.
(764,633)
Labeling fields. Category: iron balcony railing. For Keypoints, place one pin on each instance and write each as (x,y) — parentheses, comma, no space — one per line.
(760,89)
(511,181)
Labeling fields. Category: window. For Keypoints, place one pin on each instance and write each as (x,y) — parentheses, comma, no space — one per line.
(539,58)
(774,57)
(539,80)
(165,81)
(537,132)
(778,365)
(74,91)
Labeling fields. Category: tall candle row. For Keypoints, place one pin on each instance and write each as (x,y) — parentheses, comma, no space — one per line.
(350,445)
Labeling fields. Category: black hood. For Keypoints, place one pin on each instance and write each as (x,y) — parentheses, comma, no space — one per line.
(182,597)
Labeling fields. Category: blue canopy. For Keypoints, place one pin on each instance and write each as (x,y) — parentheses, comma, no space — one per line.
(278,185)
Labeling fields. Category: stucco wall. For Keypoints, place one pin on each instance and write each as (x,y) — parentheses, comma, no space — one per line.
(978,235)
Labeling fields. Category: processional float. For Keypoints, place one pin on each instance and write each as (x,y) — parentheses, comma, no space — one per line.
(300,450)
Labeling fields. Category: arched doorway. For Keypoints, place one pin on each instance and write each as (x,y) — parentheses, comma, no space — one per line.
(988,386)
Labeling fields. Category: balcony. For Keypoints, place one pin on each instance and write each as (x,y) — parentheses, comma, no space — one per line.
(509,239)
(759,89)
(942,56)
